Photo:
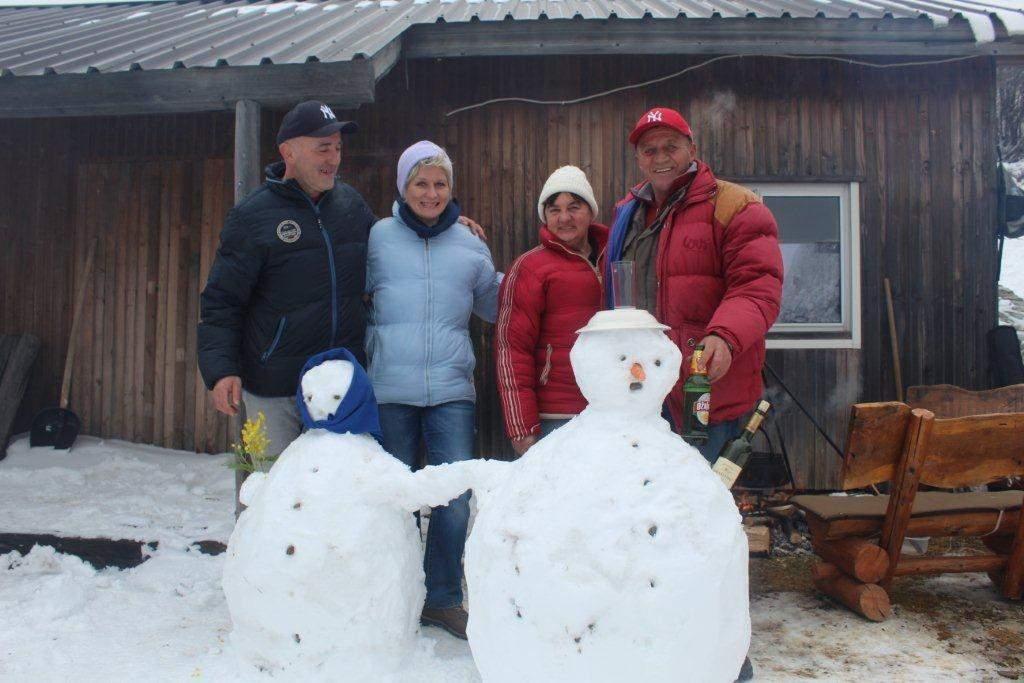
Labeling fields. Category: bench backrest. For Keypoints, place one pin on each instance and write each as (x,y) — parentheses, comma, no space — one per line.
(974,450)
(961,451)
(946,400)
(874,443)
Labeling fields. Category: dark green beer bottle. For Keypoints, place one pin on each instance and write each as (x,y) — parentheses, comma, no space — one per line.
(736,453)
(696,401)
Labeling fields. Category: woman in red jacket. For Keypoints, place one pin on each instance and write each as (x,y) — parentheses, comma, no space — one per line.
(549,292)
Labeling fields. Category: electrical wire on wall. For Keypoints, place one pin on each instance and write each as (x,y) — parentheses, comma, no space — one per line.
(705,63)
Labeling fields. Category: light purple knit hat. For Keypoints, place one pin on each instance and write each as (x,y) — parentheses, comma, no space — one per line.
(424,149)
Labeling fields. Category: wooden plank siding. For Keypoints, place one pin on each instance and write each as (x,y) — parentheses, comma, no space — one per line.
(154,190)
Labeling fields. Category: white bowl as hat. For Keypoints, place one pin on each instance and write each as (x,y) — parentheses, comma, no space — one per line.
(622,319)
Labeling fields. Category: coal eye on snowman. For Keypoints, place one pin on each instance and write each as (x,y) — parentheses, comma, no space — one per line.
(657,363)
(622,358)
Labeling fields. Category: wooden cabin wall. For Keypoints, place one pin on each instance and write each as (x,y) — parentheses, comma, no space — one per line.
(920,141)
(151,192)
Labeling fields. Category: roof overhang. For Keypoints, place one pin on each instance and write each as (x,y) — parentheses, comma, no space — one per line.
(682,36)
(350,83)
(344,85)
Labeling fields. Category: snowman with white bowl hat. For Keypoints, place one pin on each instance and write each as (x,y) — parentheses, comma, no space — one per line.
(610,551)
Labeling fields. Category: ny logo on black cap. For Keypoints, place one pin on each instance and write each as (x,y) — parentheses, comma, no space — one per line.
(328,114)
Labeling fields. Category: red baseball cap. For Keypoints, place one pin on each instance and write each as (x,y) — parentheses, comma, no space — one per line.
(660,116)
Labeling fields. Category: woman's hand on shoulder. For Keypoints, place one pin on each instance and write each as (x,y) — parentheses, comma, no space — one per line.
(474,227)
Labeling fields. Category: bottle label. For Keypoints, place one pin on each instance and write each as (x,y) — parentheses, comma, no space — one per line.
(702,408)
(727,470)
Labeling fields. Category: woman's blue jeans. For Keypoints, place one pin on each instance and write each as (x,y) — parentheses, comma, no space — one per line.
(447,432)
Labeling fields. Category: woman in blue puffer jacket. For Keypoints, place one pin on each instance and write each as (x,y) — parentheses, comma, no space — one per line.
(426,274)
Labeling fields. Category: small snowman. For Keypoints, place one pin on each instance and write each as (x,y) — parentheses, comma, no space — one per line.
(323,575)
(610,551)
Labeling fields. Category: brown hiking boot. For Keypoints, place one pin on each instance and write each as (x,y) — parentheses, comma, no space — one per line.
(451,619)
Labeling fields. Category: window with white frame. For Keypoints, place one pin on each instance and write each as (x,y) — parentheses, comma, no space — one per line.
(819,237)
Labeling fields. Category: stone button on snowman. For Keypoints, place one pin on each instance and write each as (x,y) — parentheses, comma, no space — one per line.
(610,551)
(323,575)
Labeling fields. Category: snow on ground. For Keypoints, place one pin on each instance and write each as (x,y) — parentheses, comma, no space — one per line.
(115,489)
(166,620)
(1011,287)
(952,627)
(1012,274)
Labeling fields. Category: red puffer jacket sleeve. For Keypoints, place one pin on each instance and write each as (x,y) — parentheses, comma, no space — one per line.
(752,265)
(520,308)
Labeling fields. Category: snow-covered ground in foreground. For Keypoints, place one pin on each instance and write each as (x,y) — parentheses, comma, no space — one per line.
(115,489)
(166,620)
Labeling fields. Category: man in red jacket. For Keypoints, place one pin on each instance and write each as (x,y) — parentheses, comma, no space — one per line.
(708,265)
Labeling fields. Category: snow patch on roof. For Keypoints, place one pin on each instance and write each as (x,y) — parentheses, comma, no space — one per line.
(981,25)
(1013,21)
(280,7)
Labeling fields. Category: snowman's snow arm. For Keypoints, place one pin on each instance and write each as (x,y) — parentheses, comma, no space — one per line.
(438,484)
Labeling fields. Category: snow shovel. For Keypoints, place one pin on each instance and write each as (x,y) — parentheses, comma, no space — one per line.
(58,427)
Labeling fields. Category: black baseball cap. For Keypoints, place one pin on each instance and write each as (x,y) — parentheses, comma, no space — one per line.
(312,119)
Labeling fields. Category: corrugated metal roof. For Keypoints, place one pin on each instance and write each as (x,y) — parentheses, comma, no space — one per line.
(108,38)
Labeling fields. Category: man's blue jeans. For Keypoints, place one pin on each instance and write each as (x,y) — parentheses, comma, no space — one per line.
(447,432)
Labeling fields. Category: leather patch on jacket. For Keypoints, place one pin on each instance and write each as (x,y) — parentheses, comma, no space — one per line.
(730,200)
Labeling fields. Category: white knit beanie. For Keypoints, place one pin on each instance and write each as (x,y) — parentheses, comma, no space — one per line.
(567,179)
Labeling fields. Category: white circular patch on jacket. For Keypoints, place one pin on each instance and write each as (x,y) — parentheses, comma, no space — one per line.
(289,231)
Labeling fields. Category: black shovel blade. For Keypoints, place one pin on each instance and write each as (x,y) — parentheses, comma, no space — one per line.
(54,427)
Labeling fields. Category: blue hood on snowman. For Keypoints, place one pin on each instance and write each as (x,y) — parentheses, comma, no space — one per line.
(357,412)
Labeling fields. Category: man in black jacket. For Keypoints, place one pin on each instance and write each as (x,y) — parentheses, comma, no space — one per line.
(288,278)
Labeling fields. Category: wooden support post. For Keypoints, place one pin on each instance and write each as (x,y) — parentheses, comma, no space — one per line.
(247,147)
(860,558)
(247,178)
(1013,581)
(866,599)
(901,498)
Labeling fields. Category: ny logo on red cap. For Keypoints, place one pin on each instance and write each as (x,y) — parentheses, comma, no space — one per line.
(328,114)
(654,116)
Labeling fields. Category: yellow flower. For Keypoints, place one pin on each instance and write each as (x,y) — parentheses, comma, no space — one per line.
(250,452)
(254,436)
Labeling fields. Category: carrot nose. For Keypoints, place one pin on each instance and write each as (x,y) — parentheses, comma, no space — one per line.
(638,372)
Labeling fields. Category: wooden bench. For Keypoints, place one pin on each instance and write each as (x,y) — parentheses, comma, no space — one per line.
(947,400)
(860,537)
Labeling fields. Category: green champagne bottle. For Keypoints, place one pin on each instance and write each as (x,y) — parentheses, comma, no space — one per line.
(736,453)
(696,401)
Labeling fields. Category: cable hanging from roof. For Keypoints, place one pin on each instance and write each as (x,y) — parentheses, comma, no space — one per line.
(708,62)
